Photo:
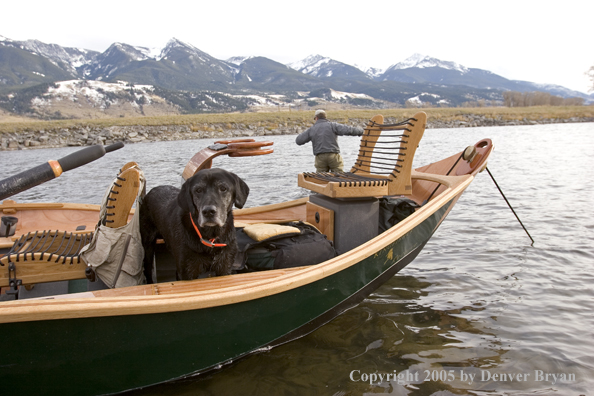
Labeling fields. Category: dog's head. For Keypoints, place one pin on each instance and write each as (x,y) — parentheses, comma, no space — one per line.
(210,195)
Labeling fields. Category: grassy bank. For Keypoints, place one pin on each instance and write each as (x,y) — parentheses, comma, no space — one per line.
(536,113)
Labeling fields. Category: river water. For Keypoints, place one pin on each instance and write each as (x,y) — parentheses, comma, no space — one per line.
(481,311)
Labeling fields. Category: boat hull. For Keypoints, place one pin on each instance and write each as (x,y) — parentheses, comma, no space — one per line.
(109,354)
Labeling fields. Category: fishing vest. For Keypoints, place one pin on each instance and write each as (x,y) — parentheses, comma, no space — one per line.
(115,254)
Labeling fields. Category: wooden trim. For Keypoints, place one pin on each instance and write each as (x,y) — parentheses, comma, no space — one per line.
(41,206)
(325,219)
(334,190)
(448,181)
(38,271)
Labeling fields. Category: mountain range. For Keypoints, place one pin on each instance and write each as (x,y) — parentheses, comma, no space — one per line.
(194,81)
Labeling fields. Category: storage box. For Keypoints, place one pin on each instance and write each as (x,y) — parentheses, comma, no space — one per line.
(355,219)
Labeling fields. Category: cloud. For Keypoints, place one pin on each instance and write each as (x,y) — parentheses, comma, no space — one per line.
(527,40)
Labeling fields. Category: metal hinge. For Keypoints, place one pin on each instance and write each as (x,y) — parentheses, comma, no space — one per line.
(13,282)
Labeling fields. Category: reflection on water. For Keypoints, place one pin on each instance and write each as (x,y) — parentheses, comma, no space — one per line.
(479,312)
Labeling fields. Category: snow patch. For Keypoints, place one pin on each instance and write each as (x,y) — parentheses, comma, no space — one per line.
(423,61)
(175,43)
(344,95)
(95,92)
(417,99)
(311,64)
(372,72)
(238,60)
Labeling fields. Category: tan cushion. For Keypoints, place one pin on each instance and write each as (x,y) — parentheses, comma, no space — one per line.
(261,231)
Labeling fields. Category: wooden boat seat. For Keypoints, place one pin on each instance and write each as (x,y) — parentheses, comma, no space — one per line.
(233,148)
(49,256)
(383,165)
(44,256)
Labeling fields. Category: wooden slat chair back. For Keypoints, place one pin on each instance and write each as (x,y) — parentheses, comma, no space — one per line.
(122,196)
(383,165)
(49,256)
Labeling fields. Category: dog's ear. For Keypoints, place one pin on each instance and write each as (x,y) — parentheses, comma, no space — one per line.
(184,198)
(241,191)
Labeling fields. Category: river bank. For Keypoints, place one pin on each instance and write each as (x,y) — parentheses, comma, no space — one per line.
(89,134)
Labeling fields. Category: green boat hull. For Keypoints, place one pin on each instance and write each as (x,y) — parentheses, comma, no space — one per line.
(103,355)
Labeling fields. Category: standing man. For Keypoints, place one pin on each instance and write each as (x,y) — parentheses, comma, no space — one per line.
(322,135)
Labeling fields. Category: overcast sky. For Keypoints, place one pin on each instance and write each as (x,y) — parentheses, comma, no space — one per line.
(538,41)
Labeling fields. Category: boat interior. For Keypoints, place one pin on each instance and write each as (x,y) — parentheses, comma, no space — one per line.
(40,243)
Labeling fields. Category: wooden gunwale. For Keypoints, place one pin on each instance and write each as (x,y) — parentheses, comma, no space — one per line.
(7,205)
(44,309)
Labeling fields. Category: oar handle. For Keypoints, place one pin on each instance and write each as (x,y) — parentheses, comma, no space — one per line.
(81,157)
(114,147)
(52,169)
(25,180)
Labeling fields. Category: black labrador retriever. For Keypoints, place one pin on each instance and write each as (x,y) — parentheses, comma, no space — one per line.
(196,223)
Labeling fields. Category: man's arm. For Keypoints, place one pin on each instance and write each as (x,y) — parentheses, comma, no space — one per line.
(303,138)
(345,130)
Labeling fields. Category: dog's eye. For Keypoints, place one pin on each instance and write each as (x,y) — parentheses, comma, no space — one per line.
(223,188)
(198,190)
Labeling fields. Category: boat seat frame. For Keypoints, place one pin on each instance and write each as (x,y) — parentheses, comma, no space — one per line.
(44,256)
(383,165)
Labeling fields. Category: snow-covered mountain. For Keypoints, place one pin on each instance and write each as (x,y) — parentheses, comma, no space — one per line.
(68,58)
(312,64)
(181,69)
(425,69)
(423,61)
(327,68)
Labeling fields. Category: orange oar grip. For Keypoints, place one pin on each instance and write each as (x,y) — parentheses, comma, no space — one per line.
(56,167)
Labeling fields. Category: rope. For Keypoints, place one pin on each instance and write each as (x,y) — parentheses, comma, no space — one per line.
(447,174)
(508,204)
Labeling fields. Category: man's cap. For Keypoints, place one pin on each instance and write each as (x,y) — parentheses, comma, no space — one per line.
(320,111)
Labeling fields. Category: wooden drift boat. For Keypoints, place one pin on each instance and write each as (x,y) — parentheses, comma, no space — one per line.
(112,340)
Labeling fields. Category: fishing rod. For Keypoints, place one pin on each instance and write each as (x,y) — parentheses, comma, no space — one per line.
(508,204)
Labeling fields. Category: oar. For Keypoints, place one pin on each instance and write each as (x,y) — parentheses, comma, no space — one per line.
(508,204)
(52,169)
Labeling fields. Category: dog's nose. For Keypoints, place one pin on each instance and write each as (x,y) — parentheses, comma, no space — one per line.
(209,211)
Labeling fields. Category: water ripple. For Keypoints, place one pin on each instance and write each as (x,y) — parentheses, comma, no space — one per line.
(478,300)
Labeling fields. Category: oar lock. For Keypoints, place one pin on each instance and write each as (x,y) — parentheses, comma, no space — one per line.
(469,153)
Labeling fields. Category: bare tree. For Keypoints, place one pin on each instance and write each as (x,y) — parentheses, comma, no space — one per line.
(590,74)
(525,99)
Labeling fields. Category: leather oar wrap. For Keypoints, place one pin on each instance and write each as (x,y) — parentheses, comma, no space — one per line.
(52,169)
(81,157)
(25,180)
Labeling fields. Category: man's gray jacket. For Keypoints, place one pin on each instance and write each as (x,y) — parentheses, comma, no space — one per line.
(322,136)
